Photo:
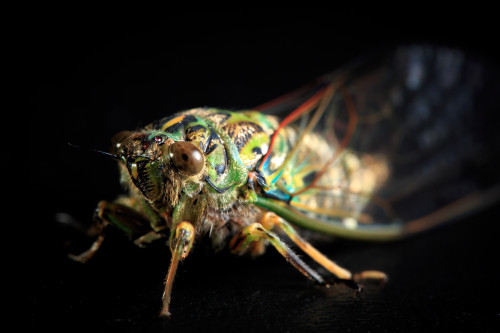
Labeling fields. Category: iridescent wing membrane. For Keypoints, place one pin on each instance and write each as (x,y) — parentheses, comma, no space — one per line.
(388,146)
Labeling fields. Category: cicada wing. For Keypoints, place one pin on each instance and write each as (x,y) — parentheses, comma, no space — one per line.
(410,132)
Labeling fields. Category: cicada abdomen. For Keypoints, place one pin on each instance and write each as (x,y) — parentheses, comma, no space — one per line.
(406,137)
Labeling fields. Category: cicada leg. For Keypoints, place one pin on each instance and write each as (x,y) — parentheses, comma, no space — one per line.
(270,220)
(86,255)
(148,238)
(126,215)
(256,232)
(181,242)
(99,225)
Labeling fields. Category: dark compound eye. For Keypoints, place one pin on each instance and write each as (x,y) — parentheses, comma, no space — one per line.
(158,139)
(187,158)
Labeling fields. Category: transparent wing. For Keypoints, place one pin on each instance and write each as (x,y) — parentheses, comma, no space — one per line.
(409,135)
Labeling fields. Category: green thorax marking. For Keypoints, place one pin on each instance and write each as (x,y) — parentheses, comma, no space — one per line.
(232,142)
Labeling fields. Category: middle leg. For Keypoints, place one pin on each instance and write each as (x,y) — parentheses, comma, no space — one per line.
(242,243)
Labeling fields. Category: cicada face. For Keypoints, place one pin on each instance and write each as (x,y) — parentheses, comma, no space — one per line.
(156,165)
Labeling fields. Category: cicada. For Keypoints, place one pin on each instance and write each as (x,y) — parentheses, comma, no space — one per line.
(378,150)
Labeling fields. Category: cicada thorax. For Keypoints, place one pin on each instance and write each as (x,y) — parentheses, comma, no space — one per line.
(221,132)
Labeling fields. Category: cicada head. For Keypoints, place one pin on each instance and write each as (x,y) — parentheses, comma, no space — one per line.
(158,166)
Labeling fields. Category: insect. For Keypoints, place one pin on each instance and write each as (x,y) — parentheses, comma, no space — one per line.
(379,150)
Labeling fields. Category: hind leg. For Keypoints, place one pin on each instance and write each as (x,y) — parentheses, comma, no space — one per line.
(271,220)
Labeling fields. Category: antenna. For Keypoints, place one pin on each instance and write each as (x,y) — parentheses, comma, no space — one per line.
(116,157)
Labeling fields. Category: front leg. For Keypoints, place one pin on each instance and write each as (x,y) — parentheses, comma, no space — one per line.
(128,215)
(181,243)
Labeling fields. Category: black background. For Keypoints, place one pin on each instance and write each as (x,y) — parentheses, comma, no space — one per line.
(83,77)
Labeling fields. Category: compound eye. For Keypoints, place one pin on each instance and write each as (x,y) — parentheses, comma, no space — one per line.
(187,158)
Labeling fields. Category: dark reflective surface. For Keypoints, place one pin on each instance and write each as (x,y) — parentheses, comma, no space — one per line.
(444,280)
(87,81)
